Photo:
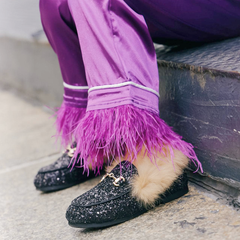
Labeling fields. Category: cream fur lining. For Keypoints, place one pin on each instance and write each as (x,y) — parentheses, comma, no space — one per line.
(152,180)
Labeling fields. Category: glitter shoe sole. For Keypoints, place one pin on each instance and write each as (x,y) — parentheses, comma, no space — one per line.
(118,221)
(56,188)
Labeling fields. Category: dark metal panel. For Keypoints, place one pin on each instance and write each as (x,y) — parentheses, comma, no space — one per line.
(203,106)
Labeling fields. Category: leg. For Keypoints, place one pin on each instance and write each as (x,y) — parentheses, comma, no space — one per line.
(122,73)
(61,32)
(60,29)
(122,120)
(111,59)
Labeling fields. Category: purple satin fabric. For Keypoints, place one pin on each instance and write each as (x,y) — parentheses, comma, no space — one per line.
(192,21)
(106,42)
(60,30)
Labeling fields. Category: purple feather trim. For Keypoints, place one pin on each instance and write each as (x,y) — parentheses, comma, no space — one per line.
(67,119)
(105,133)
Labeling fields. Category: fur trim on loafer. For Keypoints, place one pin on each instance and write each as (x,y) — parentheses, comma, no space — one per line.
(153,179)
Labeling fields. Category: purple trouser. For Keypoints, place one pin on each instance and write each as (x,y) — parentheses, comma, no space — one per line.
(108,60)
(104,42)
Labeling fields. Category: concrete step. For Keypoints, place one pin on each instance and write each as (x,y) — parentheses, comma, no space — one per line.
(31,67)
(200,98)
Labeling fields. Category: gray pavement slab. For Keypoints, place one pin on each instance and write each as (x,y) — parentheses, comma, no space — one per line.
(30,214)
(32,68)
(25,132)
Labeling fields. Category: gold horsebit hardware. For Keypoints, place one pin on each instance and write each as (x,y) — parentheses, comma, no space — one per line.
(70,151)
(116,180)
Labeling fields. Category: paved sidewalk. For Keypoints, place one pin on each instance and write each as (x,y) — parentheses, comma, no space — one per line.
(26,145)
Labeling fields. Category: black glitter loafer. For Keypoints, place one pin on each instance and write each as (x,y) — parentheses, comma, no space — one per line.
(58,175)
(111,202)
